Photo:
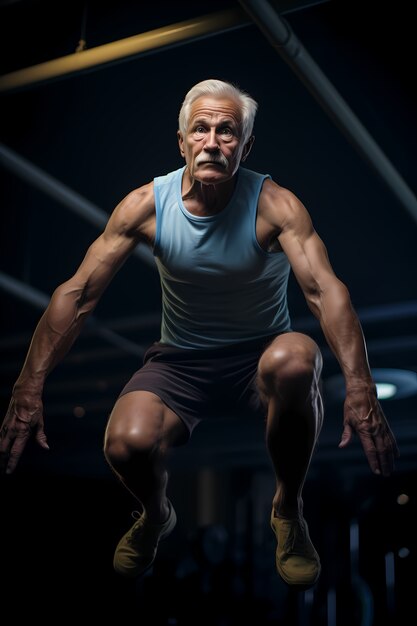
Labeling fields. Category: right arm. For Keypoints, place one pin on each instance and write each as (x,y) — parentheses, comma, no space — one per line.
(72,302)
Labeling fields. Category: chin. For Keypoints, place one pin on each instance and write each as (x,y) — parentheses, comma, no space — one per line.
(213,177)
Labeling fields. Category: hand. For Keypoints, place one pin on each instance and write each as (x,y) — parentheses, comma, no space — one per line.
(21,420)
(363,414)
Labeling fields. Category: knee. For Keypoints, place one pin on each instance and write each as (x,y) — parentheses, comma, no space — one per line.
(130,447)
(290,365)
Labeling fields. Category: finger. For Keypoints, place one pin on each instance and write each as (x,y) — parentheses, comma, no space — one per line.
(5,440)
(4,457)
(5,445)
(386,463)
(16,452)
(370,452)
(41,438)
(394,445)
(385,454)
(346,436)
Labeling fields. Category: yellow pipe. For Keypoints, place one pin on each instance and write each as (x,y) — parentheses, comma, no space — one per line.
(153,39)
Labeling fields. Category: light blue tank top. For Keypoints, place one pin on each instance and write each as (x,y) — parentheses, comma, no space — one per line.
(219,287)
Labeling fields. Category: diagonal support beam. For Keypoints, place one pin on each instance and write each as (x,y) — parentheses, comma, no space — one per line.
(282,38)
(65,195)
(40,300)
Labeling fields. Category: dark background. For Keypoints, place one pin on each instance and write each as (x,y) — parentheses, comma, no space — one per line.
(106,131)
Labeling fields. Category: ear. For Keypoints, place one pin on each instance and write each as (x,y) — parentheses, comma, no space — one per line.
(247,148)
(181,143)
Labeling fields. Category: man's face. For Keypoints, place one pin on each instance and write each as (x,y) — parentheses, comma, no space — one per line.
(212,145)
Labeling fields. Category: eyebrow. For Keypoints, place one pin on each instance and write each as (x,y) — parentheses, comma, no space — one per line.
(203,121)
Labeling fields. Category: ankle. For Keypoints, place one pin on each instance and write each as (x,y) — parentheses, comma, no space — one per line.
(158,513)
(287,509)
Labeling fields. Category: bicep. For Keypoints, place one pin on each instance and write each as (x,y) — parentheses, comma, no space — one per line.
(102,260)
(289,220)
(307,255)
(109,251)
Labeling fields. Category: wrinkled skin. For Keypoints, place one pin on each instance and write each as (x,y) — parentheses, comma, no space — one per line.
(372,428)
(23,420)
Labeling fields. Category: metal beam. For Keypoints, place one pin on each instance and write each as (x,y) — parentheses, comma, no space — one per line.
(40,300)
(160,38)
(63,194)
(144,43)
(280,35)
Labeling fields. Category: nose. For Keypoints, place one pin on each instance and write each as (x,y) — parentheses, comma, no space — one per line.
(211,143)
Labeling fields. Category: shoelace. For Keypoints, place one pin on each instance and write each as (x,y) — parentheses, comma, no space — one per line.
(137,515)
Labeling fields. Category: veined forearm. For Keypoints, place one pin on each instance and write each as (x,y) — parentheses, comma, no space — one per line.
(343,332)
(55,333)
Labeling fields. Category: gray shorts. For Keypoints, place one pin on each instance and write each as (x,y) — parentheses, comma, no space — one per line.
(200,384)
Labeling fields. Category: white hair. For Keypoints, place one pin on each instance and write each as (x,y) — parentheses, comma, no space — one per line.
(219,88)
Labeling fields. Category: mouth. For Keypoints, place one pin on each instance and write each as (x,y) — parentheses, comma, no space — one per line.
(211,163)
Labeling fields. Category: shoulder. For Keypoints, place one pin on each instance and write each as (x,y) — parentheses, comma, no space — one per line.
(280,205)
(275,194)
(271,192)
(134,210)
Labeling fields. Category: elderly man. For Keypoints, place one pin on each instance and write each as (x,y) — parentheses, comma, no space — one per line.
(224,239)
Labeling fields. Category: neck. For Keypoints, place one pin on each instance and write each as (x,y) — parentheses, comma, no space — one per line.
(206,199)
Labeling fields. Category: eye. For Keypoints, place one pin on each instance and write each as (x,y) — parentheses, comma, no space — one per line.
(226,131)
(199,130)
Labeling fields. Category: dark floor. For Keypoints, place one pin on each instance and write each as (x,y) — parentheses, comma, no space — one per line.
(59,533)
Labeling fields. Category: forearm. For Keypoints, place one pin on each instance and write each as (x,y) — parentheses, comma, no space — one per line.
(343,332)
(54,335)
(362,414)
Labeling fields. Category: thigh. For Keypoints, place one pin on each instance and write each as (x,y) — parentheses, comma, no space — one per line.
(241,388)
(143,415)
(182,379)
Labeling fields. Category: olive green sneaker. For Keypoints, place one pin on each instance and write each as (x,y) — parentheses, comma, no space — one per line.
(136,550)
(297,561)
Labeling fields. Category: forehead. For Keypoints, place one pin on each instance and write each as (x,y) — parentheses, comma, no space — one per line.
(216,108)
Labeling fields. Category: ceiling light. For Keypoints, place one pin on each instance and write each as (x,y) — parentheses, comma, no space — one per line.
(385,390)
(390,383)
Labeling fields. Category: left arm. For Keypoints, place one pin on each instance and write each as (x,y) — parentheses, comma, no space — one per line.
(329,300)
